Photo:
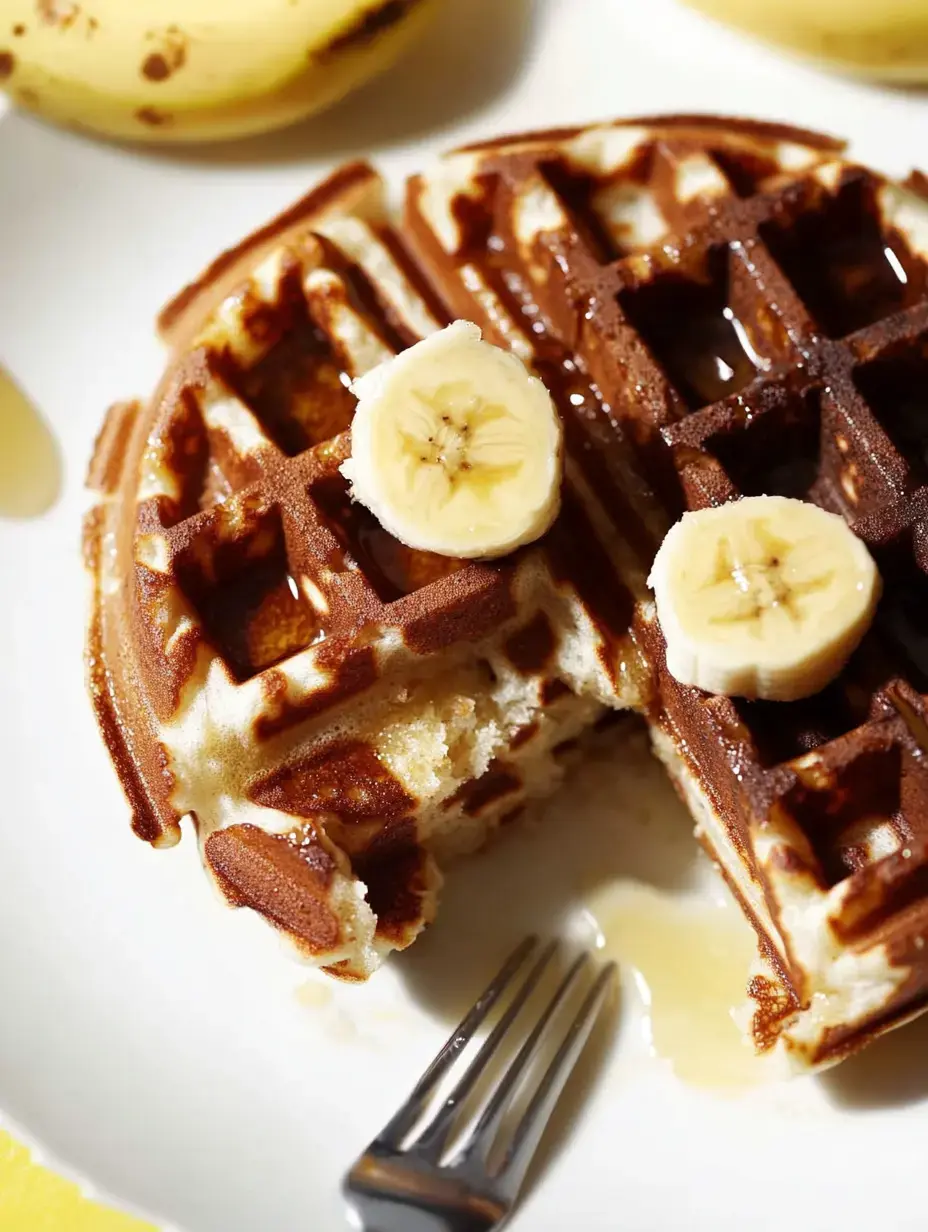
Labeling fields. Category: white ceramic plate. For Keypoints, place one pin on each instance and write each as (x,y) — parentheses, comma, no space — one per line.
(168,1050)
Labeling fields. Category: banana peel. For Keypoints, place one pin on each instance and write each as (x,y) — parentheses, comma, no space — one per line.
(883,39)
(196,70)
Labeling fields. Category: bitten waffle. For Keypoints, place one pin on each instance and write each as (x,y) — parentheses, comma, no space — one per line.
(719,308)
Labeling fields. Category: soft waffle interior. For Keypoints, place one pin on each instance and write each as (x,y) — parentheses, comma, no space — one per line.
(329,698)
(718,310)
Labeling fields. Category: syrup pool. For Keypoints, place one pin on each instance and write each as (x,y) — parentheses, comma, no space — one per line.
(30,464)
(689,961)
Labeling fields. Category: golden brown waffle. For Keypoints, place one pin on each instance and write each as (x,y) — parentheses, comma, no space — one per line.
(330,708)
(753,311)
(719,308)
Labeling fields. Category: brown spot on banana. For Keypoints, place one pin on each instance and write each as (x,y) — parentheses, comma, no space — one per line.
(153,117)
(368,26)
(168,59)
(155,67)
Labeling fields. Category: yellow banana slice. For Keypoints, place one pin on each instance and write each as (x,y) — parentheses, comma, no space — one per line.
(764,597)
(456,447)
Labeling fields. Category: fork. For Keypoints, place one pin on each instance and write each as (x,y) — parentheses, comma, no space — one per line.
(400,1186)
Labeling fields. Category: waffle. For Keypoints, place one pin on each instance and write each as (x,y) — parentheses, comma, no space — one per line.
(333,711)
(719,308)
(752,309)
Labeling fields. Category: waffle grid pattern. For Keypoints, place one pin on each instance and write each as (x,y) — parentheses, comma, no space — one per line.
(263,502)
(267,605)
(718,309)
(768,335)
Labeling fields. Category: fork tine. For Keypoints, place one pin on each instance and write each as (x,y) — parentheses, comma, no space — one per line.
(482,1137)
(531,1126)
(400,1124)
(432,1141)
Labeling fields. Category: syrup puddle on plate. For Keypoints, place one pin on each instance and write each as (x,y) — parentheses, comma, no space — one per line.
(690,962)
(313,994)
(30,464)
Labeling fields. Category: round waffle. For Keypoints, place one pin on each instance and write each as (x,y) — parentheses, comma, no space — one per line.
(330,709)
(719,308)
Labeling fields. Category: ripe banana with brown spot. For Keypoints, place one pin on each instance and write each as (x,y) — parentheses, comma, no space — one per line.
(165,70)
(886,39)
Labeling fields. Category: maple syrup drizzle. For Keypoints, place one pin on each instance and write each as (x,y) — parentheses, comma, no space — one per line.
(30,463)
(690,962)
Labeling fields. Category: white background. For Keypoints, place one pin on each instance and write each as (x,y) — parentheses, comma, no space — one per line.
(149,1038)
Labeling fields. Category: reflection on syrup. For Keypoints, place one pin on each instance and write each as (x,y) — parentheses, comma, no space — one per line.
(713,358)
(298,391)
(694,334)
(847,271)
(30,465)
(691,963)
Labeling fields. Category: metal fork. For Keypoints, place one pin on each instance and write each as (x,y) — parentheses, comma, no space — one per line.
(397,1186)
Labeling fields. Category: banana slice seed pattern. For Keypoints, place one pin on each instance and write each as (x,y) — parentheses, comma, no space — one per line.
(767,586)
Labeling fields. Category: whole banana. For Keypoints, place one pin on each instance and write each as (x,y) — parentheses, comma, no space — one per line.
(885,39)
(196,70)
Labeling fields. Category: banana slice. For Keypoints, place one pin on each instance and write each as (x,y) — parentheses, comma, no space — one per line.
(456,447)
(764,597)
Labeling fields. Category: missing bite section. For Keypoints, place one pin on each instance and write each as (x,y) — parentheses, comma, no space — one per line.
(753,385)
